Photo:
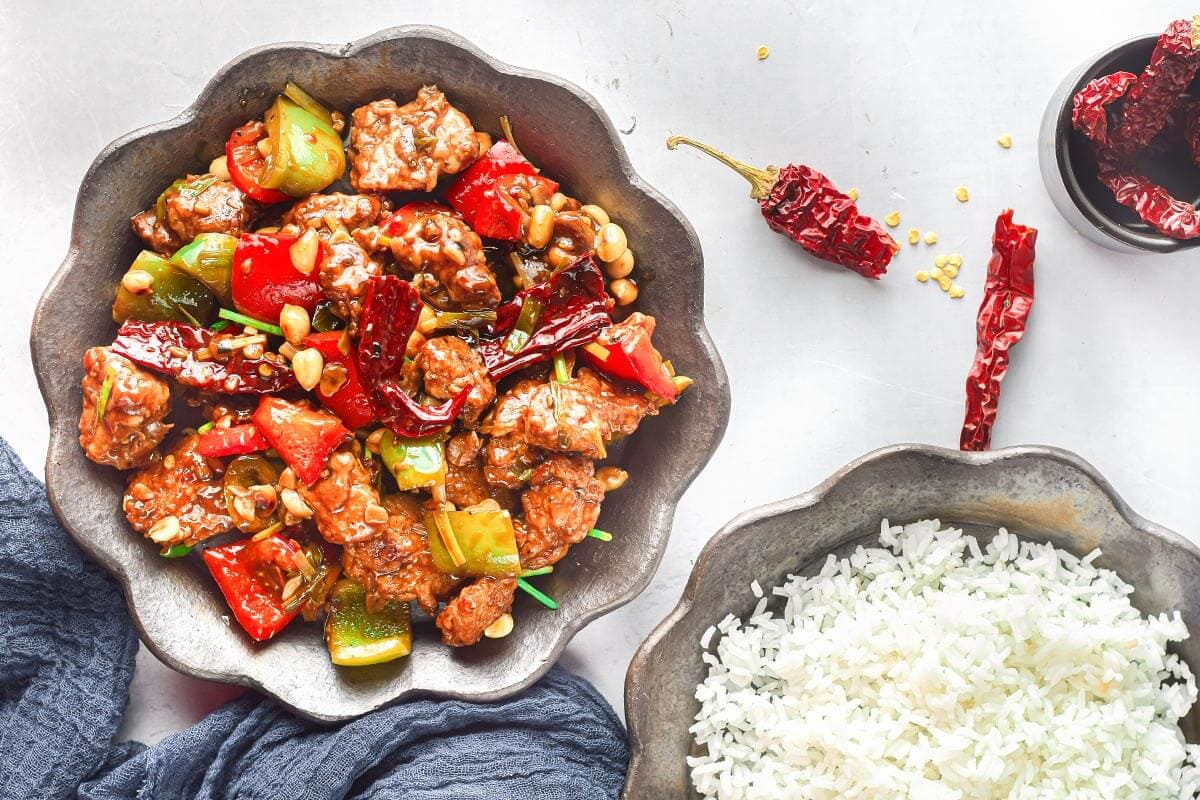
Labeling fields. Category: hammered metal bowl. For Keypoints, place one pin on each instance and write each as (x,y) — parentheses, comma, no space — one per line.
(177,609)
(1037,492)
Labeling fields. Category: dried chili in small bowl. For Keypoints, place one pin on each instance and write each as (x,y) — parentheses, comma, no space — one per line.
(1116,155)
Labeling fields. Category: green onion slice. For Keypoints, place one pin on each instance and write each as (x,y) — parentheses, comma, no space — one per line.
(529,589)
(110,375)
(177,551)
(533,573)
(603,536)
(257,324)
(527,320)
(562,373)
(208,426)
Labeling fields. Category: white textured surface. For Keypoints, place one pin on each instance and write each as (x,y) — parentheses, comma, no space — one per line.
(902,100)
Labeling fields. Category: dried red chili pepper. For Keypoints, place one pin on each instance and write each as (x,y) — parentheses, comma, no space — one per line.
(805,206)
(574,308)
(1166,214)
(389,316)
(1007,300)
(193,356)
(1089,108)
(1150,98)
(1189,128)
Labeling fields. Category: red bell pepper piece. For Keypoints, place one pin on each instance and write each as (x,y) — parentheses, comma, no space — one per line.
(250,575)
(246,163)
(235,440)
(484,193)
(625,352)
(264,278)
(389,315)
(173,349)
(304,438)
(575,308)
(350,402)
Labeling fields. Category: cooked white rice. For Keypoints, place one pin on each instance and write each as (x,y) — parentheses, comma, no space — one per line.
(932,669)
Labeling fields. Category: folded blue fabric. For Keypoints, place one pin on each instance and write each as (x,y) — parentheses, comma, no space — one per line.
(66,659)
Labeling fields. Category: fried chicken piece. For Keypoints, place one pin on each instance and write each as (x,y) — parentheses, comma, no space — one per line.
(137,403)
(326,213)
(178,499)
(561,505)
(402,148)
(396,565)
(450,365)
(465,618)
(344,501)
(429,238)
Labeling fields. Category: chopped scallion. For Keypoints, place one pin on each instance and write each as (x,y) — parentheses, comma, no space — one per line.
(533,573)
(219,325)
(110,376)
(242,319)
(529,589)
(562,373)
(176,551)
(205,428)
(603,536)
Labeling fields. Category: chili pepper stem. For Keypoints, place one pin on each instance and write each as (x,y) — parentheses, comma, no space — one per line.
(762,181)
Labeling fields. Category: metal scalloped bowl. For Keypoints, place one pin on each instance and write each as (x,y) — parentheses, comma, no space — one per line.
(1041,493)
(178,611)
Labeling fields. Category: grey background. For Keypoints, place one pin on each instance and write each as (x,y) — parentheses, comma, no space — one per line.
(903,101)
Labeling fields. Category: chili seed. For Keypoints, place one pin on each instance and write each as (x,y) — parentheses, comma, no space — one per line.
(892,220)
(941,261)
(308,364)
(762,52)
(295,323)
(914,236)
(169,462)
(930,238)
(541,227)
(957,291)
(853,195)
(267,229)
(140,491)
(295,504)
(137,281)
(922,276)
(1005,141)
(219,168)
(961,194)
(596,214)
(936,273)
(611,243)
(165,530)
(621,267)
(955,260)
(611,478)
(375,514)
(624,291)
(304,252)
(500,628)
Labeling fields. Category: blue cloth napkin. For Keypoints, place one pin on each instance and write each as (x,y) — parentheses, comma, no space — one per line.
(66,659)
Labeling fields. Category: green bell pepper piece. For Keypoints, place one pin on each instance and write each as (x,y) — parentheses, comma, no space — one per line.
(356,637)
(414,463)
(306,153)
(209,259)
(485,537)
(172,297)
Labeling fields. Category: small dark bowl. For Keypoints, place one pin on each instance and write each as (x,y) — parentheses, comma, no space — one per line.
(178,611)
(1038,493)
(1069,169)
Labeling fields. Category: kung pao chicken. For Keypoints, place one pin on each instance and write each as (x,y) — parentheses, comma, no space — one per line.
(401,392)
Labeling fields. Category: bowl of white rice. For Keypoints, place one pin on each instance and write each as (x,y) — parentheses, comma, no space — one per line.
(934,625)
